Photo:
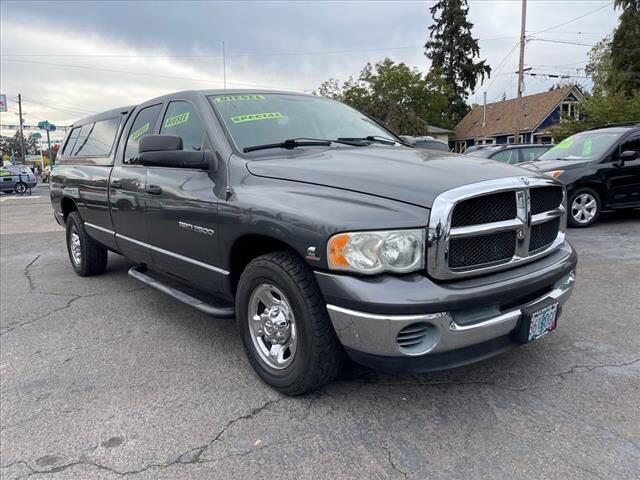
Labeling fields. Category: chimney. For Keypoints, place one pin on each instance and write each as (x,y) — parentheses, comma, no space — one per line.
(484,111)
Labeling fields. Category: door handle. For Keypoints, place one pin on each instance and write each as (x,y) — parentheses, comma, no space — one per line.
(153,189)
(116,184)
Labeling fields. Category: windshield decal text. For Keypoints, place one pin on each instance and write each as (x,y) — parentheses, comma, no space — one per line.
(176,120)
(257,116)
(563,145)
(236,98)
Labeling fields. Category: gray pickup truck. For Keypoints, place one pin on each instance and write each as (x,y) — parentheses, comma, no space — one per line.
(321,231)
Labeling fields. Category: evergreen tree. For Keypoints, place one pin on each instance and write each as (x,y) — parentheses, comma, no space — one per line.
(625,48)
(453,52)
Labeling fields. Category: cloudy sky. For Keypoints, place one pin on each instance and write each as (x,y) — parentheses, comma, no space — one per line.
(69,59)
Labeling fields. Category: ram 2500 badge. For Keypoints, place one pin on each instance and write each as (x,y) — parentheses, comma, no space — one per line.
(319,230)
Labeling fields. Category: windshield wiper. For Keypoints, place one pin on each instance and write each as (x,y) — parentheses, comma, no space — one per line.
(304,142)
(375,138)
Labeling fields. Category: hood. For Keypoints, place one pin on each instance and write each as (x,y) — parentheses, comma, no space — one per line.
(550,165)
(409,175)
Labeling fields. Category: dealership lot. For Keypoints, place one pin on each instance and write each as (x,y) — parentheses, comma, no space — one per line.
(105,378)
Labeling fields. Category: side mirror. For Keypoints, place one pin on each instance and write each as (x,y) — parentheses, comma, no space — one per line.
(627,156)
(159,143)
(166,151)
(408,139)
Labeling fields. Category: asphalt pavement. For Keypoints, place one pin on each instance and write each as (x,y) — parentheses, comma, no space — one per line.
(104,378)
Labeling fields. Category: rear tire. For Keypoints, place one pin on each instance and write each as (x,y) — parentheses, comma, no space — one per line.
(297,314)
(584,207)
(87,256)
(21,188)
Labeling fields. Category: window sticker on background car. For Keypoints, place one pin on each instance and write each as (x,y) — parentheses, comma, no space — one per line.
(5,173)
(563,145)
(257,116)
(136,134)
(586,147)
(176,120)
(235,98)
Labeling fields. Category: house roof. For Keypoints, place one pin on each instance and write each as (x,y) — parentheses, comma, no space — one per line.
(434,129)
(501,116)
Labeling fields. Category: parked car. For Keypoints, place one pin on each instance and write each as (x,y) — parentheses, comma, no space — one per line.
(512,154)
(599,167)
(430,143)
(318,229)
(16,178)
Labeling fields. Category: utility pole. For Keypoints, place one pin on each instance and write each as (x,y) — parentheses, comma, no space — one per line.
(224,67)
(523,23)
(21,132)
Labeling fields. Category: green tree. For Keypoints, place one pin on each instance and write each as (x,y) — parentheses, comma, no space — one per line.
(453,52)
(10,145)
(625,48)
(393,93)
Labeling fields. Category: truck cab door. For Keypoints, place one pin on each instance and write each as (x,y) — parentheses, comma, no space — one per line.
(127,196)
(182,208)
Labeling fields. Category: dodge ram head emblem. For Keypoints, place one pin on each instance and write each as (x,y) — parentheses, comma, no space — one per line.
(520,234)
(524,180)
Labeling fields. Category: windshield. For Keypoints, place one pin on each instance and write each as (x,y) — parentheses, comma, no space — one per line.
(583,146)
(258,119)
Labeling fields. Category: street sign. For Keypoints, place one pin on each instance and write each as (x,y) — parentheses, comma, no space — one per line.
(3,102)
(36,135)
(48,127)
(45,125)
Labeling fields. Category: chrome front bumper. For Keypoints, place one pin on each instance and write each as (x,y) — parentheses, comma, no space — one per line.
(454,330)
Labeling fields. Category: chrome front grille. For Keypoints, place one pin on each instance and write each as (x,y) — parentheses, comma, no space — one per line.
(494,225)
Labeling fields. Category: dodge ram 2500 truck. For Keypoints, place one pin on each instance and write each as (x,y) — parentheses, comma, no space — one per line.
(318,229)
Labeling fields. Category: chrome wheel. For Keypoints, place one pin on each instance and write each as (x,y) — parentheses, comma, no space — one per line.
(74,245)
(272,326)
(21,188)
(584,208)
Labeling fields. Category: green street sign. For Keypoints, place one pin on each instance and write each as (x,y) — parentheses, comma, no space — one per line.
(36,135)
(45,125)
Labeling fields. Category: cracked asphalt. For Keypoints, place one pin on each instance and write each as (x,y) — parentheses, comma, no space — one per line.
(102,378)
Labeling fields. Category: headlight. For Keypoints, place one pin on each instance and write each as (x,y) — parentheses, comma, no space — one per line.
(555,173)
(398,251)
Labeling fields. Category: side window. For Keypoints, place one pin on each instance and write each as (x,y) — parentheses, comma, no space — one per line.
(100,138)
(506,156)
(82,139)
(142,125)
(631,144)
(181,119)
(73,136)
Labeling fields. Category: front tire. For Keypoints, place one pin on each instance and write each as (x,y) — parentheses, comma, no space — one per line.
(584,208)
(87,256)
(284,326)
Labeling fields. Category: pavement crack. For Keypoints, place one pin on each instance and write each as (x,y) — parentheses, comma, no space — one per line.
(27,274)
(393,464)
(189,457)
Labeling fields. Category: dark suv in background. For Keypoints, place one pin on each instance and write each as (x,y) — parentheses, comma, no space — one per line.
(511,153)
(600,168)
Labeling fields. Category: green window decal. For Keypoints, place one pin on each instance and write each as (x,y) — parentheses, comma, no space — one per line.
(177,120)
(136,134)
(257,116)
(586,147)
(5,173)
(563,145)
(236,98)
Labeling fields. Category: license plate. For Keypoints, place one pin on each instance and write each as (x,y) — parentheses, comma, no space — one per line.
(542,321)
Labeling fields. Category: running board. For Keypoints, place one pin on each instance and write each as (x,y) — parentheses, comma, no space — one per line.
(220,312)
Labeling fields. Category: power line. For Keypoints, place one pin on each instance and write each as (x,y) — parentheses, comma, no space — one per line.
(59,108)
(238,55)
(574,19)
(126,72)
